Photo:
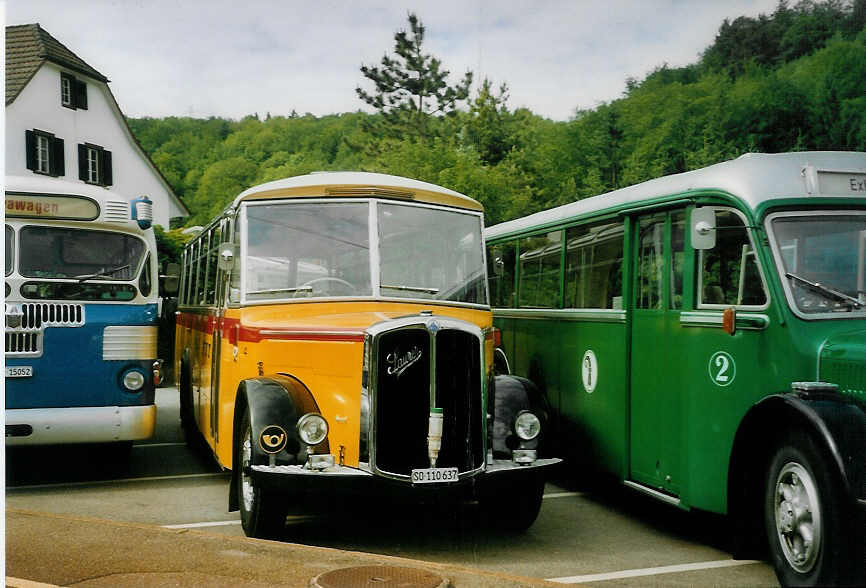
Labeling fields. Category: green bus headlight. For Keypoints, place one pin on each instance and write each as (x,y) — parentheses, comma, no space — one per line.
(527,426)
(312,428)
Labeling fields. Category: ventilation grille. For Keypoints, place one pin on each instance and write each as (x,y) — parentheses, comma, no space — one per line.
(129,342)
(23,343)
(116,211)
(47,314)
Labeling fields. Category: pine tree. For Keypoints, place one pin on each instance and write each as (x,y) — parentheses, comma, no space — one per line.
(411,87)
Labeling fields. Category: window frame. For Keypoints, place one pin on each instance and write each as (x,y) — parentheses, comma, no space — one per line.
(76,90)
(699,304)
(51,160)
(95,165)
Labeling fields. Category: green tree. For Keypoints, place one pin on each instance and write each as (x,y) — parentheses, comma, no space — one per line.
(411,86)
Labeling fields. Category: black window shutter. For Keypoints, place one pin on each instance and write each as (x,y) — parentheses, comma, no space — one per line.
(57,163)
(107,176)
(30,143)
(82,162)
(80,94)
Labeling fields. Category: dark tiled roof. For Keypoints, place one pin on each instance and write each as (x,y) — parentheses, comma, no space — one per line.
(27,47)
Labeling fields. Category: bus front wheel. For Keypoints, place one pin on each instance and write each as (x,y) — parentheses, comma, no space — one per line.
(802,503)
(263,514)
(517,508)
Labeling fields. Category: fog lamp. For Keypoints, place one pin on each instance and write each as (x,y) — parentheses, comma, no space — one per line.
(133,380)
(312,428)
(527,426)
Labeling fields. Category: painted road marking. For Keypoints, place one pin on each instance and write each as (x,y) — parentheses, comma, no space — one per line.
(290,519)
(562,494)
(305,517)
(201,525)
(120,480)
(21,583)
(706,565)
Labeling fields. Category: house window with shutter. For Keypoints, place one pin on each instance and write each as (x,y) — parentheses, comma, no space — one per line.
(73,92)
(44,153)
(94,164)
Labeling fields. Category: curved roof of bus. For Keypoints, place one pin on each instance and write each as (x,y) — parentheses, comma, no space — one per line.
(753,177)
(37,184)
(342,184)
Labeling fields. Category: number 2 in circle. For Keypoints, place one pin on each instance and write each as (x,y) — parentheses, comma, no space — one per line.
(722,368)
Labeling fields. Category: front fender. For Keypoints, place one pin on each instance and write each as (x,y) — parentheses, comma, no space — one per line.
(837,425)
(278,400)
(513,394)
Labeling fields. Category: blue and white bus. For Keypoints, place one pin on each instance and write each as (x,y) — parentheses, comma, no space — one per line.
(81,314)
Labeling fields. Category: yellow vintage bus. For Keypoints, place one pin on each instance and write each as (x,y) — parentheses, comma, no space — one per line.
(334,336)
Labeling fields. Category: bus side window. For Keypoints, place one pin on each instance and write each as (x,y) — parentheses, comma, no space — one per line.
(729,273)
(500,274)
(540,260)
(651,262)
(593,266)
(212,258)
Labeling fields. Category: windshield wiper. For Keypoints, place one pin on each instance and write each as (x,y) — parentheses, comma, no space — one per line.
(101,273)
(822,289)
(410,288)
(282,290)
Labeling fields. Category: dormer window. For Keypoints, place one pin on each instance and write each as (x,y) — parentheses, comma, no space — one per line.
(73,92)
(94,164)
(44,153)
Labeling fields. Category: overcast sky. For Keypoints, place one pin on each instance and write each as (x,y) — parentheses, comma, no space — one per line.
(231,58)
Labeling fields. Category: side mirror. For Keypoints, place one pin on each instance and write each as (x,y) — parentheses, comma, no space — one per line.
(227,253)
(703,228)
(171,278)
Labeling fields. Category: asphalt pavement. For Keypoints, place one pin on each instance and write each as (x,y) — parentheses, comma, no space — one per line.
(65,550)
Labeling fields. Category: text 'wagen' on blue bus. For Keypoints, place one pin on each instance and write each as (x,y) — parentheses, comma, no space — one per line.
(81,314)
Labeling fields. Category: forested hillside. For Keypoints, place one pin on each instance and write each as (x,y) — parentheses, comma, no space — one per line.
(792,80)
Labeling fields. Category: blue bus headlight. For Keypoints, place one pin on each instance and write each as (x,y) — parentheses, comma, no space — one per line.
(133,380)
(312,428)
(527,426)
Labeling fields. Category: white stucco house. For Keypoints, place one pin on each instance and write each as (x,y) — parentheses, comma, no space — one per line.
(62,121)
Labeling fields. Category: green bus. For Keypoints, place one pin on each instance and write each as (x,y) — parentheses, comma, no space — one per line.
(702,337)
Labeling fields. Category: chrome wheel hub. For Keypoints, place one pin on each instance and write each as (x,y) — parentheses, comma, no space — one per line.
(798,517)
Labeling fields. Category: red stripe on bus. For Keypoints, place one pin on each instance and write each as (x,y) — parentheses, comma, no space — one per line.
(233,331)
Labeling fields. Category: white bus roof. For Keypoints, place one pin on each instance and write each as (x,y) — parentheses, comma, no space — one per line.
(36,184)
(114,207)
(754,178)
(349,184)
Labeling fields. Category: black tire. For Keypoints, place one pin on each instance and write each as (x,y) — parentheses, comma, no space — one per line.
(263,514)
(804,514)
(513,509)
(118,453)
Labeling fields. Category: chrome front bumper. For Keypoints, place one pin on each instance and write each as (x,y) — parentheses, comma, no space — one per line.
(101,424)
(341,479)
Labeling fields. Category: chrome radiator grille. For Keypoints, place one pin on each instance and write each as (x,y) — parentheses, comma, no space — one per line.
(25,324)
(433,363)
(51,314)
(24,343)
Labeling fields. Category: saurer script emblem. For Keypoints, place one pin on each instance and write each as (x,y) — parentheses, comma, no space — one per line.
(399,362)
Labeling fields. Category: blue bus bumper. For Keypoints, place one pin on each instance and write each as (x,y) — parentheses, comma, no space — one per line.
(101,424)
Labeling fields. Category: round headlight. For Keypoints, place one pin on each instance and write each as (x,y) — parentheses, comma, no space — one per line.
(133,380)
(312,428)
(527,426)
